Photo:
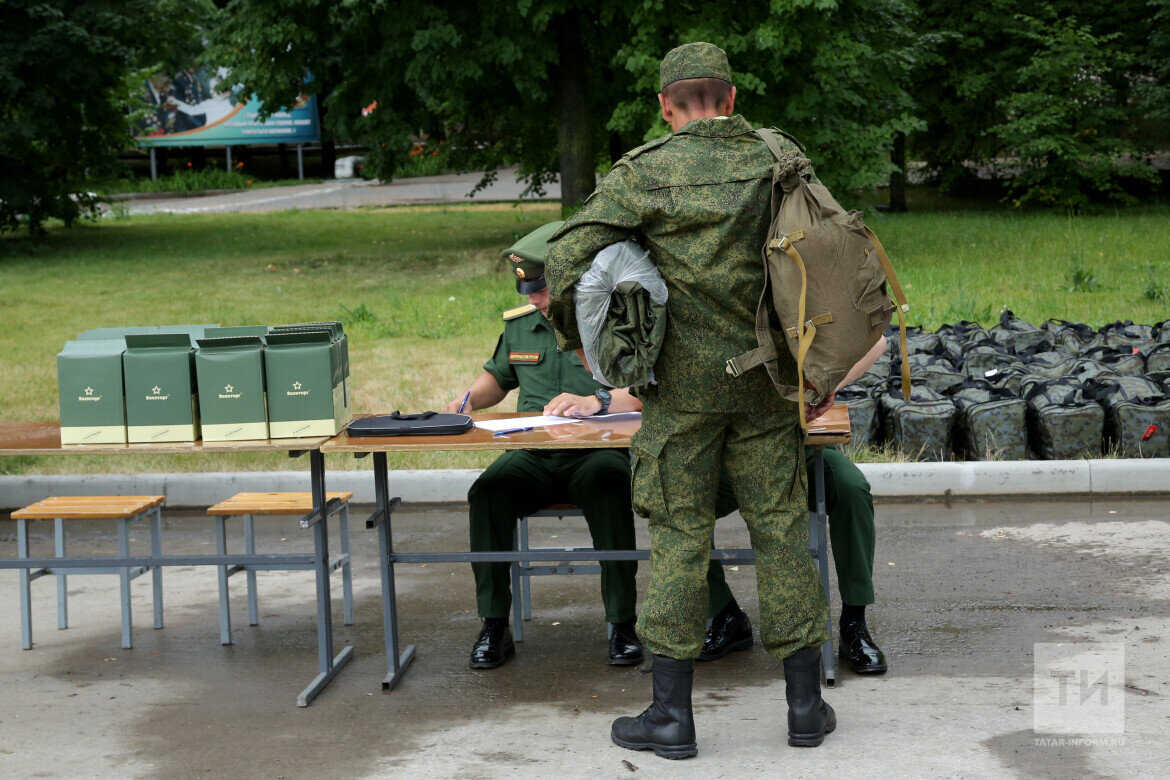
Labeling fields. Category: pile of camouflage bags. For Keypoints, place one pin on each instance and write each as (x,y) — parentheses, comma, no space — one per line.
(1016,391)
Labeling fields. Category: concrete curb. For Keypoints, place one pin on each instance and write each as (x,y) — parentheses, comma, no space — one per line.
(888,480)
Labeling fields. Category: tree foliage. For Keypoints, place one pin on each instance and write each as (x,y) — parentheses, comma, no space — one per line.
(67,69)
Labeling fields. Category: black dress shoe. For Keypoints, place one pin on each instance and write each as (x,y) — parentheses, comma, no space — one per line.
(860,651)
(494,645)
(730,630)
(625,648)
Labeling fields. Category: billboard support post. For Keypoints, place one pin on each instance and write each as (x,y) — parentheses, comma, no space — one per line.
(301,161)
(153,166)
(228,149)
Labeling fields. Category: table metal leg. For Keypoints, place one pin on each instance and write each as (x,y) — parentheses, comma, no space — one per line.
(820,521)
(525,582)
(225,609)
(62,584)
(156,573)
(346,568)
(25,589)
(124,576)
(250,549)
(517,595)
(328,666)
(396,664)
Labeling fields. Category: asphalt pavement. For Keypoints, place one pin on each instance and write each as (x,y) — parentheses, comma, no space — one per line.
(965,591)
(349,194)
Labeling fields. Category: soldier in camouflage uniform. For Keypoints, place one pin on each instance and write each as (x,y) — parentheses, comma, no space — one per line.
(698,201)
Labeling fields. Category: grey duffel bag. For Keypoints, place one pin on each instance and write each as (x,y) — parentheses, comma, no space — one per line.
(920,427)
(991,423)
(863,414)
(1137,415)
(1062,422)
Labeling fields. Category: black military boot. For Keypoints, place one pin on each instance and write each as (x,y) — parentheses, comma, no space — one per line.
(494,645)
(810,717)
(730,630)
(625,648)
(667,726)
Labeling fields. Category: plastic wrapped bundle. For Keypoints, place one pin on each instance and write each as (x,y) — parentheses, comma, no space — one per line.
(1137,415)
(1062,422)
(621,315)
(920,427)
(991,423)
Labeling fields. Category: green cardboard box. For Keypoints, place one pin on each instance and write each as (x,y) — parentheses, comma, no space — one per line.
(161,400)
(337,333)
(259,331)
(306,391)
(230,377)
(91,396)
(195,331)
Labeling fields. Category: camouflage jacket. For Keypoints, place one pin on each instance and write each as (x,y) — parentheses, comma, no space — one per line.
(698,200)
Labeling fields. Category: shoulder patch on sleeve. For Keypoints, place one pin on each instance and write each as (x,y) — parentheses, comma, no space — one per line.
(657,142)
(519,311)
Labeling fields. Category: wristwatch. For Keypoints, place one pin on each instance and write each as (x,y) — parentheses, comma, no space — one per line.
(604,396)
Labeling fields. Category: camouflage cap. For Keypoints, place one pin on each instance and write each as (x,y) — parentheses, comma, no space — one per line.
(527,256)
(697,60)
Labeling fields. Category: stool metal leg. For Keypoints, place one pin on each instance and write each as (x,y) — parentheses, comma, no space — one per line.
(225,615)
(250,549)
(820,522)
(525,577)
(25,591)
(156,571)
(62,585)
(346,570)
(124,576)
(517,604)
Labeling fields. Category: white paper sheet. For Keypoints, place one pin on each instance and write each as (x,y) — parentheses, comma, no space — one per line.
(537,421)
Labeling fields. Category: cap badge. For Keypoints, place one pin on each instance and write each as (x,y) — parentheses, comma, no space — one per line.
(520,272)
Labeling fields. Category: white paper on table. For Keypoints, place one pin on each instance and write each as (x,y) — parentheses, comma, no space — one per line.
(537,421)
(615,417)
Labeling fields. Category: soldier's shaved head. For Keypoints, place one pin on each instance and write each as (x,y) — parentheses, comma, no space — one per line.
(697,95)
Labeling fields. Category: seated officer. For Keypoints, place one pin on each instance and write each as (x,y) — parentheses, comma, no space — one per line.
(851,530)
(522,481)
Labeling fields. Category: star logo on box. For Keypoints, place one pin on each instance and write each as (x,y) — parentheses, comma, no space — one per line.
(228,388)
(296,385)
(229,391)
(156,394)
(156,390)
(89,391)
(296,390)
(89,396)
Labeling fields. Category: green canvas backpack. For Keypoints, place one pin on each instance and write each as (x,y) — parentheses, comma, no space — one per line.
(828,279)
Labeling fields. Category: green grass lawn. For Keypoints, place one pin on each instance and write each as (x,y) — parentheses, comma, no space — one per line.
(421,290)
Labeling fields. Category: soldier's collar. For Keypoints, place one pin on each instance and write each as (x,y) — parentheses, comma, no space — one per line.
(716,127)
(538,320)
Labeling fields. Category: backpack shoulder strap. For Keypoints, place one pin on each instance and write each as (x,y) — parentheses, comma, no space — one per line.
(769,138)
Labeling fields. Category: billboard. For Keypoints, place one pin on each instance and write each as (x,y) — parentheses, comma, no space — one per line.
(197,108)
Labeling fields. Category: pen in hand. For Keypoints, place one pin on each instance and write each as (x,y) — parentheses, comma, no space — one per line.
(464,402)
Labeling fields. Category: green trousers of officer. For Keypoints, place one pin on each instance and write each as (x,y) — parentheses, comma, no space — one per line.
(851,530)
(523,481)
(677,462)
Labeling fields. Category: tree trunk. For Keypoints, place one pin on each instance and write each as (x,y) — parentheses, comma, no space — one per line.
(328,150)
(898,177)
(574,128)
(285,168)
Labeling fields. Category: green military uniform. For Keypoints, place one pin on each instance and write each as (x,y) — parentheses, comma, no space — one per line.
(698,200)
(522,481)
(851,529)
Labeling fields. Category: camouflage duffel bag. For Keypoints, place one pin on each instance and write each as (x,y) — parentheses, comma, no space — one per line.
(990,423)
(878,375)
(1137,415)
(1011,377)
(1050,365)
(863,416)
(920,427)
(1073,338)
(987,356)
(1124,333)
(1015,334)
(1119,360)
(935,373)
(1062,422)
(1157,357)
(1162,330)
(955,339)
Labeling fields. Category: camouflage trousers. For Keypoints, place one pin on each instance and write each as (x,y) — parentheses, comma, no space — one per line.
(676,463)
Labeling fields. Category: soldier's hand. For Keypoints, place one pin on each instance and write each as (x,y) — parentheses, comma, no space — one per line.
(569,405)
(453,407)
(813,412)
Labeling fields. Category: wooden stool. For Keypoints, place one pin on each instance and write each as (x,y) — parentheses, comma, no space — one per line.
(251,504)
(522,573)
(124,509)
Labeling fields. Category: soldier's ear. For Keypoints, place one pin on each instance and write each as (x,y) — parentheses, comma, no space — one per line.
(667,108)
(730,103)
